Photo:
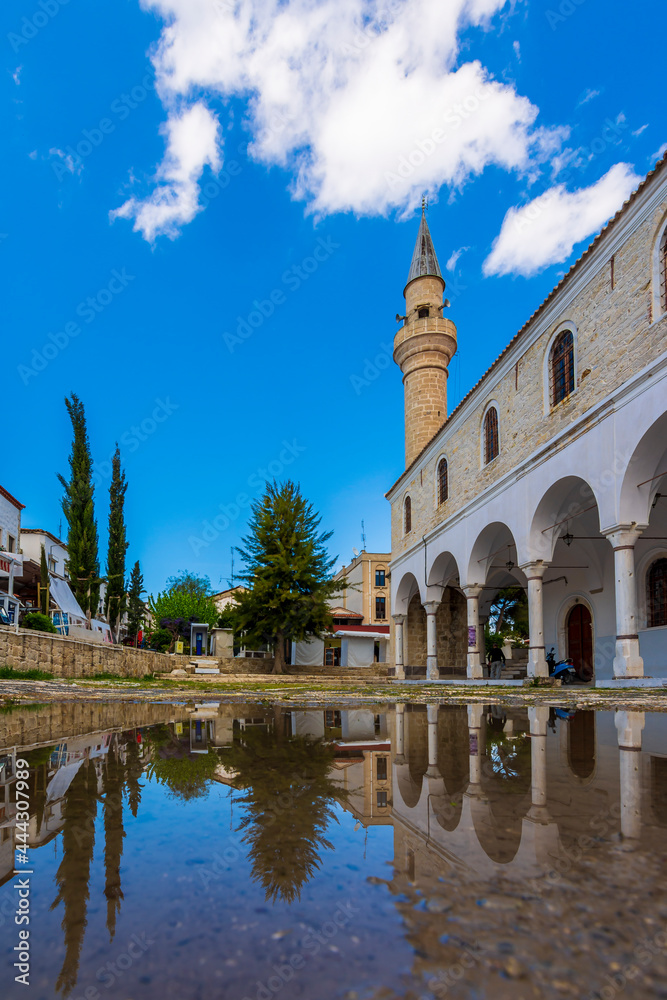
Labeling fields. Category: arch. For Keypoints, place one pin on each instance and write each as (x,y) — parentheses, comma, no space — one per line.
(580,640)
(562,619)
(495,542)
(564,501)
(410,788)
(405,591)
(443,570)
(561,368)
(490,438)
(659,272)
(442,481)
(641,480)
(565,327)
(407,515)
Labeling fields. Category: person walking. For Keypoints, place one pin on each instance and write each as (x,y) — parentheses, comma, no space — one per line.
(496,662)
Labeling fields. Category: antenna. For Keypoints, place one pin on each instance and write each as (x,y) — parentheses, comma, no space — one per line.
(363,537)
(231,580)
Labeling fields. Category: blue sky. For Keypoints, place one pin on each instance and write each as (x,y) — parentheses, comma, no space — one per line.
(226,311)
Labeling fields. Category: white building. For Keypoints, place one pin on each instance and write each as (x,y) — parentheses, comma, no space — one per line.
(551,474)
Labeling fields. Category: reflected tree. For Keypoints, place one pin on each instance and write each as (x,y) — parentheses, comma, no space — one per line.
(288,797)
(113,781)
(72,877)
(186,775)
(134,768)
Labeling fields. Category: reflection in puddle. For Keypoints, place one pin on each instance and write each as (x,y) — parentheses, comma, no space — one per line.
(410,851)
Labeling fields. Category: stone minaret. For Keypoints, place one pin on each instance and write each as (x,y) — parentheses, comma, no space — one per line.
(424,346)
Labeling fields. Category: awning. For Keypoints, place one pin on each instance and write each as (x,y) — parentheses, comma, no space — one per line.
(64,598)
(10,562)
(61,781)
(361,635)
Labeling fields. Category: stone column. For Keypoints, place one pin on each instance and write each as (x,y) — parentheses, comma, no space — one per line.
(399,621)
(399,755)
(627,661)
(538,716)
(537,662)
(432,672)
(475,748)
(432,722)
(629,726)
(475,671)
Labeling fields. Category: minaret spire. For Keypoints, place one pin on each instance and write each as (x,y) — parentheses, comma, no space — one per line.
(424,345)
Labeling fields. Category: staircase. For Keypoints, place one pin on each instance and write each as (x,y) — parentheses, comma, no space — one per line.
(516,668)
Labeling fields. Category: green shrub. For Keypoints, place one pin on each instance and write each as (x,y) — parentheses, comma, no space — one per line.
(161,640)
(36,620)
(12,674)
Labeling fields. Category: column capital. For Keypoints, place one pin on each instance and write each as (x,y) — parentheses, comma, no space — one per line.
(629,727)
(624,536)
(399,619)
(538,716)
(472,591)
(430,607)
(534,570)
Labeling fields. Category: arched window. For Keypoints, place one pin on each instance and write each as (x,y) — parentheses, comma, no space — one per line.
(662,271)
(561,367)
(656,594)
(407,515)
(443,481)
(491,445)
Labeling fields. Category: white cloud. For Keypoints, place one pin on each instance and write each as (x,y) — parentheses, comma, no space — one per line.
(67,159)
(660,153)
(16,76)
(517,50)
(588,95)
(545,230)
(364,102)
(639,130)
(453,260)
(192,144)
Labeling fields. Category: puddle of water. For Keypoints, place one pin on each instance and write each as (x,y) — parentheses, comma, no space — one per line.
(364,854)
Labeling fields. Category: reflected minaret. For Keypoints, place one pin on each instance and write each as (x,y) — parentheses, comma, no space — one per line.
(629,726)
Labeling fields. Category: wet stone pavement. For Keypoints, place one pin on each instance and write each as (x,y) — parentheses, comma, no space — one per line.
(250,851)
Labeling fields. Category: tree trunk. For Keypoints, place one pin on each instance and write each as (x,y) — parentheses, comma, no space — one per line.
(279,654)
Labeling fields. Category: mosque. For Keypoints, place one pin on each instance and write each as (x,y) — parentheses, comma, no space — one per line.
(550,474)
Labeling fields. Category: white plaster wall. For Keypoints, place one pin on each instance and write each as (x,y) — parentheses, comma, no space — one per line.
(10,518)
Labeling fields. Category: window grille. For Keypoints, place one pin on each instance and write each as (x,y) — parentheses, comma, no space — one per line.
(443,481)
(491,446)
(663,272)
(408,515)
(561,367)
(380,607)
(656,598)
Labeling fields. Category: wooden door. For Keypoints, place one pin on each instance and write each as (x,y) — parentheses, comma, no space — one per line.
(580,638)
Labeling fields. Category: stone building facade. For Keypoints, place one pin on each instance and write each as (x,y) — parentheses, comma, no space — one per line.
(551,472)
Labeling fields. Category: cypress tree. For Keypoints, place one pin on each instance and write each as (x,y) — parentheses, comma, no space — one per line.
(135,606)
(115,602)
(79,509)
(43,583)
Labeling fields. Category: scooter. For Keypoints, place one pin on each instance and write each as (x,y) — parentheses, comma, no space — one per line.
(563,670)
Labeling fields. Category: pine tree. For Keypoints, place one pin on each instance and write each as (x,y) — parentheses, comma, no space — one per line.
(79,509)
(115,596)
(43,583)
(135,606)
(288,572)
